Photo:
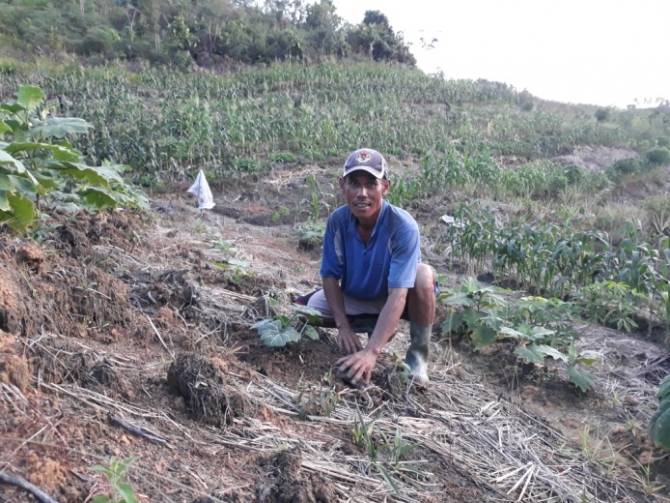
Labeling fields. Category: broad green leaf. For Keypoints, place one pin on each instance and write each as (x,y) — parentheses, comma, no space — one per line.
(452,323)
(29,97)
(580,377)
(59,152)
(101,498)
(238,263)
(471,318)
(311,333)
(530,353)
(23,209)
(659,425)
(5,183)
(664,388)
(11,109)
(23,185)
(460,299)
(127,492)
(277,338)
(513,334)
(6,158)
(258,323)
(483,336)
(98,198)
(58,127)
(4,127)
(4,201)
(551,352)
(81,172)
(47,181)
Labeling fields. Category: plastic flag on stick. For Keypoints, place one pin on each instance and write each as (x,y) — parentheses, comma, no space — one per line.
(201,189)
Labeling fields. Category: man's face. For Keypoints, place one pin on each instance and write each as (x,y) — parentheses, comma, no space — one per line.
(364,194)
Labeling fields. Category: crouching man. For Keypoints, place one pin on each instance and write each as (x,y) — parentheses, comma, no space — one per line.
(371,268)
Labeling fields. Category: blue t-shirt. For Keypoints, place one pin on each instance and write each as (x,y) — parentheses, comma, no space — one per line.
(389,260)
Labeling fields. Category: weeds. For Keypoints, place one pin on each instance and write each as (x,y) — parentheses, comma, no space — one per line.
(116,473)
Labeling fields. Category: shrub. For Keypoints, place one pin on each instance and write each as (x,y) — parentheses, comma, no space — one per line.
(659,155)
(663,141)
(602,114)
(623,167)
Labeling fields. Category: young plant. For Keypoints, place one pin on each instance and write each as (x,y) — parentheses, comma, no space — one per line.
(120,490)
(279,331)
(477,314)
(659,424)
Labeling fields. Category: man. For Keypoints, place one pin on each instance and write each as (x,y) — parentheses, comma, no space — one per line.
(372,267)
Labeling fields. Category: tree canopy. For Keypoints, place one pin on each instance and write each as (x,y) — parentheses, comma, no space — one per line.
(204,32)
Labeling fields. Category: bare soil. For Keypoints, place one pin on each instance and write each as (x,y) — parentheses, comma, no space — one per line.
(120,318)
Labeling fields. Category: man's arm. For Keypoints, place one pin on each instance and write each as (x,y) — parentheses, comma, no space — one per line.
(346,337)
(359,366)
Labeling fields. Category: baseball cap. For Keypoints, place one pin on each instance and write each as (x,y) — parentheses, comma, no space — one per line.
(366,159)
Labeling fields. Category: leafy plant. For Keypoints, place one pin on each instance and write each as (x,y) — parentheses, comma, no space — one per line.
(37,161)
(659,424)
(477,315)
(316,399)
(120,490)
(279,331)
(608,303)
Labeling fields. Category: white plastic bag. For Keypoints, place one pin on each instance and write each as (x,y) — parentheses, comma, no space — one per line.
(201,189)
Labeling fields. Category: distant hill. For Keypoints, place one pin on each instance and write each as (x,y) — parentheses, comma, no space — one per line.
(208,33)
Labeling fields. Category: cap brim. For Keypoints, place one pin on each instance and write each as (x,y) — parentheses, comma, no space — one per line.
(376,173)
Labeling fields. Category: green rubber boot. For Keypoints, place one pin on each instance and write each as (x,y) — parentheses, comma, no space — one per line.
(417,353)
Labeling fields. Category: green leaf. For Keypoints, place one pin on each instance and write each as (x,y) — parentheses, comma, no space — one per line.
(12,108)
(29,97)
(99,198)
(530,353)
(127,492)
(23,210)
(58,127)
(580,377)
(389,479)
(6,158)
(4,201)
(460,299)
(551,352)
(452,323)
(272,336)
(664,388)
(23,185)
(483,336)
(659,425)
(59,152)
(5,184)
(82,172)
(311,333)
(4,127)
(258,324)
(101,498)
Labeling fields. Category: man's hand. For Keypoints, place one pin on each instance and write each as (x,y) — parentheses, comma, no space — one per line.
(357,368)
(348,341)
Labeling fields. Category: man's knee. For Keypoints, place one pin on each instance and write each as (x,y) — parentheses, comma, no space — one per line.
(425,279)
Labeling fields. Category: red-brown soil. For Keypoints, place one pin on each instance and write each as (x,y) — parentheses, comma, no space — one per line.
(147,320)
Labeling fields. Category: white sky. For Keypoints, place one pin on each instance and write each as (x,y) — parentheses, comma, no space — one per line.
(601,52)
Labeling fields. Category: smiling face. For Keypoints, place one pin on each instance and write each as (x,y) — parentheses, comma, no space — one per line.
(364,194)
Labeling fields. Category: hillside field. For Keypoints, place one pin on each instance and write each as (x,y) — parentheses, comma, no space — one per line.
(127,333)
